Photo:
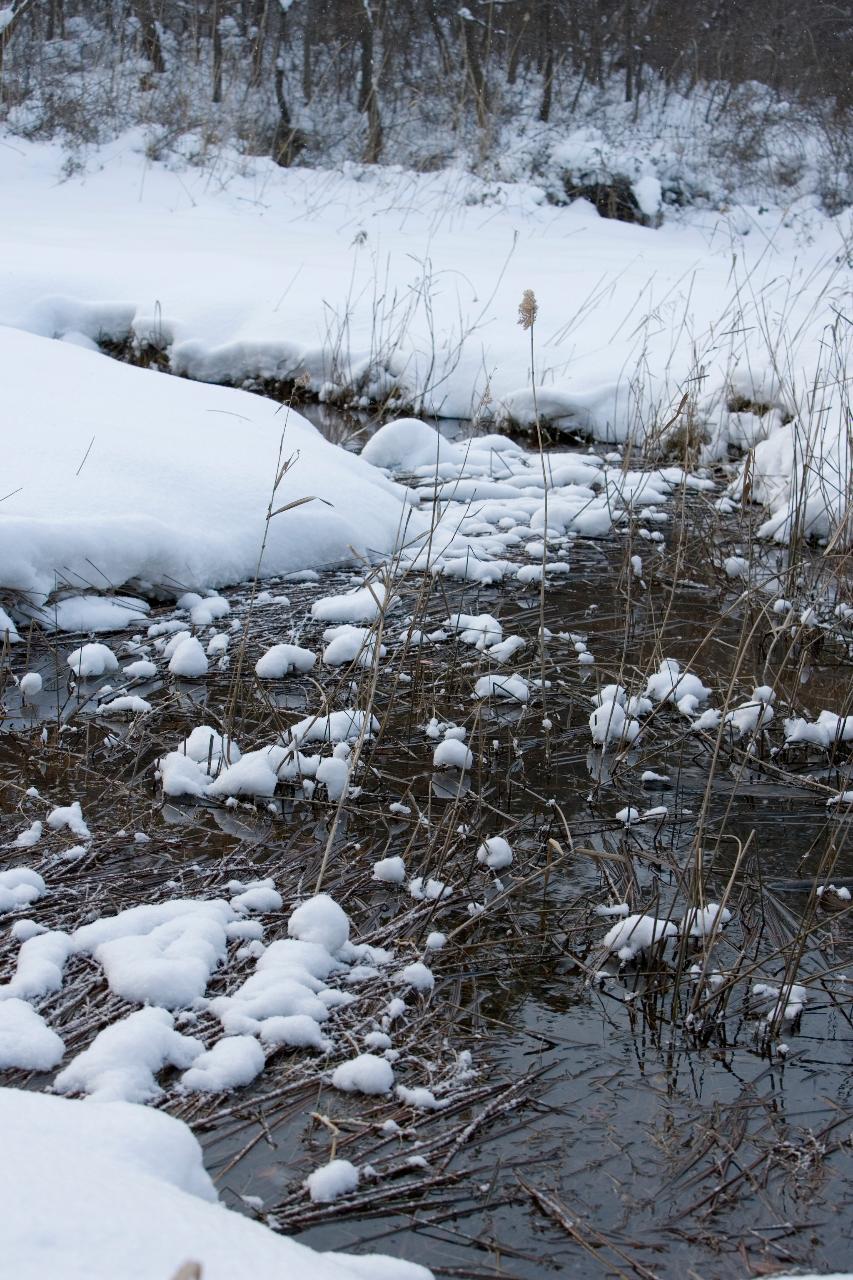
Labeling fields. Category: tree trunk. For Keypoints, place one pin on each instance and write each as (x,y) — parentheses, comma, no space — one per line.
(547,66)
(56,20)
(368,97)
(260,16)
(307,43)
(475,71)
(288,141)
(217,55)
(515,52)
(151,46)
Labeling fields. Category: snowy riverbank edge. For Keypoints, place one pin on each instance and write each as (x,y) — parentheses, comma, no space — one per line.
(377,283)
(95,1190)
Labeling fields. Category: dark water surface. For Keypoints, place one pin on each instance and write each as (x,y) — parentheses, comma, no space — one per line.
(634,1147)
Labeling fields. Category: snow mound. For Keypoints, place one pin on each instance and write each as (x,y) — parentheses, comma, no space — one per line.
(124,1191)
(365,1074)
(150,500)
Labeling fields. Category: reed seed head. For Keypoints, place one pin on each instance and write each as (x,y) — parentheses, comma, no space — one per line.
(528,309)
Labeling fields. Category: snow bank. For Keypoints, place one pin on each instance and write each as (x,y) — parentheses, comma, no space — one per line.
(156,478)
(207,258)
(122,1190)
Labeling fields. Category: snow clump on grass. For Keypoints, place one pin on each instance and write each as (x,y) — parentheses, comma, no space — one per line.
(30,685)
(122,1061)
(320,920)
(495,853)
(26,1041)
(19,887)
(232,1062)
(452,754)
(91,661)
(635,934)
(703,921)
(282,659)
(362,605)
(389,870)
(69,817)
(509,688)
(670,684)
(365,1074)
(189,660)
(609,723)
(337,1178)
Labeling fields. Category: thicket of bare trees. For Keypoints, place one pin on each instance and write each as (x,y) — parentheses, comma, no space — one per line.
(397,62)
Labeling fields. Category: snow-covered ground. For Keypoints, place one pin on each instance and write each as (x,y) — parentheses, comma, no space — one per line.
(117,473)
(93,1192)
(378,281)
(129,477)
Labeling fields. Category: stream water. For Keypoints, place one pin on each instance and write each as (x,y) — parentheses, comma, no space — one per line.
(635,1147)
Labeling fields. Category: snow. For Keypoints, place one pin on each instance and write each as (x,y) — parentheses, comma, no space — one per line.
(407,444)
(495,853)
(260,895)
(132,516)
(124,1191)
(19,886)
(203,253)
(189,659)
(127,702)
(321,921)
(26,1041)
(30,685)
(89,613)
(254,774)
(828,730)
(630,937)
(297,1030)
(452,754)
(122,1062)
(281,659)
(90,660)
(206,743)
(841,892)
(786,1002)
(420,1098)
(351,644)
(162,954)
(610,724)
(8,630)
(418,975)
(362,605)
(752,715)
(180,775)
(333,773)
(670,684)
(701,922)
(69,817)
(509,688)
(232,1062)
(26,839)
(337,1178)
(430,890)
(365,1074)
(481,630)
(389,870)
(38,970)
(338,726)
